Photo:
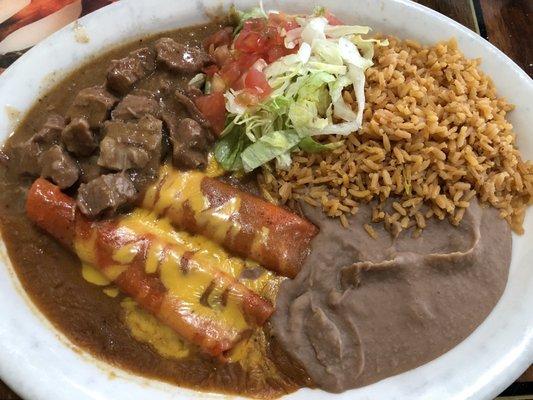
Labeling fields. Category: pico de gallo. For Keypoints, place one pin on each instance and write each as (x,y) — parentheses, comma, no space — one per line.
(278,83)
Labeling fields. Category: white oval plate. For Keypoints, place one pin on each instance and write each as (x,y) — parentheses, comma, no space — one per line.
(39,363)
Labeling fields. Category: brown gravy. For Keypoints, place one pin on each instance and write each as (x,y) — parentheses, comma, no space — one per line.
(51,274)
(95,322)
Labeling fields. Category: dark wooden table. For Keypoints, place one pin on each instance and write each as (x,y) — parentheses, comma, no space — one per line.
(508,24)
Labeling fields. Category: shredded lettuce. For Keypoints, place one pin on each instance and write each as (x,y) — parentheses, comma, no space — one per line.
(314,88)
(328,51)
(314,29)
(310,145)
(229,148)
(351,55)
(283,161)
(304,116)
(307,95)
(232,105)
(338,31)
(317,66)
(367,45)
(273,144)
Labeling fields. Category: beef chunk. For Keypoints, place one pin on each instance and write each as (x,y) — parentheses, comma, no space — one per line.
(118,156)
(51,130)
(107,192)
(25,157)
(165,85)
(127,71)
(129,145)
(135,106)
(89,168)
(160,84)
(186,101)
(193,92)
(58,166)
(78,137)
(190,144)
(93,104)
(192,133)
(181,58)
(171,121)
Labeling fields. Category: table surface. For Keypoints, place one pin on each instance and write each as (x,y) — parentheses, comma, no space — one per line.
(508,24)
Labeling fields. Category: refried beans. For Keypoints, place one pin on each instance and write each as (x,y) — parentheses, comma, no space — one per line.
(364,309)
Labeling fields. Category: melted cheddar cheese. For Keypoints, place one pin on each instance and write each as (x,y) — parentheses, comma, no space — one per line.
(92,275)
(186,265)
(177,189)
(147,329)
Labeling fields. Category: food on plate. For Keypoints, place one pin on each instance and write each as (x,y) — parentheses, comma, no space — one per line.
(244,224)
(435,133)
(201,303)
(363,309)
(266,202)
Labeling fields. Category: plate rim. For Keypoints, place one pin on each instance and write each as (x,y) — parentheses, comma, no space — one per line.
(14,376)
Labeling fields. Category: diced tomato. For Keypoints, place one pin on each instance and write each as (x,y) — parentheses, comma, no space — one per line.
(276,19)
(239,83)
(256,81)
(250,42)
(290,25)
(274,53)
(219,38)
(254,24)
(230,72)
(263,39)
(259,39)
(282,20)
(246,60)
(332,19)
(213,108)
(210,70)
(272,37)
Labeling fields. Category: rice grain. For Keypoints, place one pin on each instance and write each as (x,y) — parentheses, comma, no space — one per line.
(434,135)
